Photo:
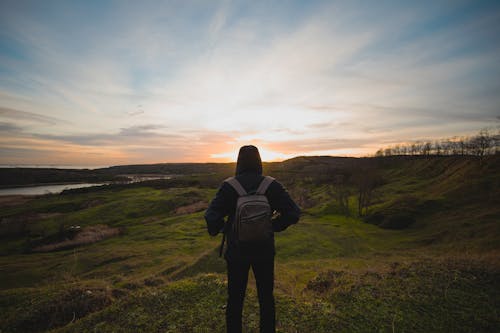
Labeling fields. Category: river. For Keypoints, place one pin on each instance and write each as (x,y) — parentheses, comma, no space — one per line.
(58,188)
(43,189)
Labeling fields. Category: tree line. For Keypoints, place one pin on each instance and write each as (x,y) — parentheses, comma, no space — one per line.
(484,143)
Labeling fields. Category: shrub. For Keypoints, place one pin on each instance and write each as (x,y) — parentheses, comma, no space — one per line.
(400,221)
(375,218)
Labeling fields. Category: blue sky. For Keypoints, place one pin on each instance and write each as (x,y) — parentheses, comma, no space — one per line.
(115,82)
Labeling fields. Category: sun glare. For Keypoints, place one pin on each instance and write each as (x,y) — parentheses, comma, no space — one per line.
(265,154)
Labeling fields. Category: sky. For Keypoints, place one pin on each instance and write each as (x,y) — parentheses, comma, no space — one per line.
(130,82)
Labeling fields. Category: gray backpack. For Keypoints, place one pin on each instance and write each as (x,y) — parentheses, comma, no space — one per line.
(252,219)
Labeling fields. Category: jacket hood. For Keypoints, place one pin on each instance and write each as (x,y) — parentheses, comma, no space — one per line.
(249,161)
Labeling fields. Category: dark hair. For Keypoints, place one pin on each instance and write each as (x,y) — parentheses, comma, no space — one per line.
(249,161)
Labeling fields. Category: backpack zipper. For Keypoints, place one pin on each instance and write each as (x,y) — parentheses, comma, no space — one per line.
(253,217)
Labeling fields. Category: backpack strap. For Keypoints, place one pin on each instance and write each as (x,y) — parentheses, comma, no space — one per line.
(236,185)
(221,249)
(264,185)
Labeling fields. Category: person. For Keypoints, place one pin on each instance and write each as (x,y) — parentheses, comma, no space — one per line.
(258,255)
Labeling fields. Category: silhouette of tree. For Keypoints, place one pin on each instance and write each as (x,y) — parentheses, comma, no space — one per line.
(367,181)
(437,148)
(426,149)
(480,145)
(341,192)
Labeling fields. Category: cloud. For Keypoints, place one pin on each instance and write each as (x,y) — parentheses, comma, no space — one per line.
(135,113)
(219,20)
(137,144)
(29,116)
(9,127)
(130,135)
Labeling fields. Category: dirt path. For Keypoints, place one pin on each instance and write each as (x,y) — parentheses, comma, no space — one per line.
(14,200)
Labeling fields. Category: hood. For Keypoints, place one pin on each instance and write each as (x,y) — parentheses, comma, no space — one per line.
(249,161)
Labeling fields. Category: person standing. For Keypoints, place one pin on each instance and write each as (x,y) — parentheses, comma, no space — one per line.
(259,255)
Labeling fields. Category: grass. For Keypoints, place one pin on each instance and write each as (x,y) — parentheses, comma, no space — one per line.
(333,273)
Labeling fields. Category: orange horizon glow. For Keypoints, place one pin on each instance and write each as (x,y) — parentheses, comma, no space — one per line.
(54,152)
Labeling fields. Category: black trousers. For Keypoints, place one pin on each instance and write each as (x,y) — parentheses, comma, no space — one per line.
(237,277)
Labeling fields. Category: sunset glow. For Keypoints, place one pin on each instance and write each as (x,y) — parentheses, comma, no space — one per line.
(103,83)
(266,155)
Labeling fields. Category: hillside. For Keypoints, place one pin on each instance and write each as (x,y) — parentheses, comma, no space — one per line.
(422,256)
(30,176)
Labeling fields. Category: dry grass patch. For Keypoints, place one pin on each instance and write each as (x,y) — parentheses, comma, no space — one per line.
(191,208)
(13,200)
(18,225)
(151,219)
(87,235)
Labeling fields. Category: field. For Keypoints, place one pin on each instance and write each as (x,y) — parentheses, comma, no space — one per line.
(423,255)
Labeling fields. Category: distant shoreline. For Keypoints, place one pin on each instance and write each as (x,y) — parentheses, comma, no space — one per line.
(45,189)
(3,187)
(53,166)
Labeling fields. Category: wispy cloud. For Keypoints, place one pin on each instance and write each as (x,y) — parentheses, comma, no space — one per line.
(125,136)
(136,144)
(8,113)
(9,127)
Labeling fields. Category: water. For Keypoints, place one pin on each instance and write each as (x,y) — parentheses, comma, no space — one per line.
(46,189)
(43,189)
(135,178)
(53,166)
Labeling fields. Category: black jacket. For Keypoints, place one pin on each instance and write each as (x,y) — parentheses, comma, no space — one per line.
(224,204)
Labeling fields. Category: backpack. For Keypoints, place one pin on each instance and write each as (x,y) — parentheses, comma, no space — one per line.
(252,218)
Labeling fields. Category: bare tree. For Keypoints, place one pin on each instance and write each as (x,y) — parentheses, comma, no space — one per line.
(426,149)
(413,149)
(452,146)
(437,148)
(483,142)
(419,147)
(480,145)
(496,143)
(367,181)
(462,145)
(341,193)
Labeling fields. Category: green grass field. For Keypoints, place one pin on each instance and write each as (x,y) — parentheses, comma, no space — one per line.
(158,270)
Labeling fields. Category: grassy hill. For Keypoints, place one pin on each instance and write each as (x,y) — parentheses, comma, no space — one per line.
(422,257)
